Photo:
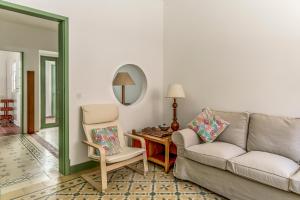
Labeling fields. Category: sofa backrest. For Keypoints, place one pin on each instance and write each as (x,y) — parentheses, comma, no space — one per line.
(278,135)
(236,132)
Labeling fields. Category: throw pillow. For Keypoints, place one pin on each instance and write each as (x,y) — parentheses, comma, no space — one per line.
(207,125)
(108,139)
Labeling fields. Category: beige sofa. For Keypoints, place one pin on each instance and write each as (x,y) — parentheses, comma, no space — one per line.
(256,158)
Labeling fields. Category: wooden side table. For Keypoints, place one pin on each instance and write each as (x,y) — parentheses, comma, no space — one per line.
(160,150)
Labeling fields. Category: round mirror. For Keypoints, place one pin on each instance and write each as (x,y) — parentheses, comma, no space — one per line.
(129,84)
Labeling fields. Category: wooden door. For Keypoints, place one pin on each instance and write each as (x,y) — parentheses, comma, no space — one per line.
(30,102)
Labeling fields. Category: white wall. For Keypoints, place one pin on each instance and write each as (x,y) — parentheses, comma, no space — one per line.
(27,39)
(104,35)
(233,55)
(3,67)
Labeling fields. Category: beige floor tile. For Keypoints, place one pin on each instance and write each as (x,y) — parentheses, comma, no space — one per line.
(164,187)
(141,187)
(165,197)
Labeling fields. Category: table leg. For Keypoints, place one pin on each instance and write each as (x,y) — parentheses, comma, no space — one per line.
(167,157)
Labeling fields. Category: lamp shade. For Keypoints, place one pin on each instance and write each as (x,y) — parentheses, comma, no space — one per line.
(123,78)
(175,91)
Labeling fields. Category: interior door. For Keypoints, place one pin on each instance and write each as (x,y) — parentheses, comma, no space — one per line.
(49,97)
(30,102)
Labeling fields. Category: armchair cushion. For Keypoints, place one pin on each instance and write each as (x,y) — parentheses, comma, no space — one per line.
(99,113)
(89,135)
(108,139)
(125,154)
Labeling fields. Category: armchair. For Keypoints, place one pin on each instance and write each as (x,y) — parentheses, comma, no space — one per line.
(102,116)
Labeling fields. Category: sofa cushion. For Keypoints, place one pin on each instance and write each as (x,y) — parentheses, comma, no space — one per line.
(213,154)
(295,183)
(236,132)
(263,167)
(278,135)
(207,125)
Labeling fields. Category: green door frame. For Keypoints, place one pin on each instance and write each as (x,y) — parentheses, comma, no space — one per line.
(63,76)
(22,97)
(43,91)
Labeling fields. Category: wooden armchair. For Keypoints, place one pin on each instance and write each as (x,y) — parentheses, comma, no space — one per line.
(102,116)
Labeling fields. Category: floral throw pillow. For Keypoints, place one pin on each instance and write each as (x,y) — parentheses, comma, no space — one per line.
(207,125)
(108,139)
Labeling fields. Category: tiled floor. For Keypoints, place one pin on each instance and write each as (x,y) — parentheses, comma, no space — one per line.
(30,171)
(124,184)
(9,129)
(50,135)
(48,138)
(24,162)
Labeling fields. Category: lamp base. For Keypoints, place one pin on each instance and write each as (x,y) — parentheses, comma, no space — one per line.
(175,126)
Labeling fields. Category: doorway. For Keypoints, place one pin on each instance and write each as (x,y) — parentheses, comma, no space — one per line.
(49,98)
(62,76)
(11,93)
(48,135)
(27,157)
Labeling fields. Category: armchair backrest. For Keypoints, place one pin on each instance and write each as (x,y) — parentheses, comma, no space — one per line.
(100,116)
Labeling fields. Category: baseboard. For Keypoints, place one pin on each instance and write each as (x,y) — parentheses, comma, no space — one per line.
(83,166)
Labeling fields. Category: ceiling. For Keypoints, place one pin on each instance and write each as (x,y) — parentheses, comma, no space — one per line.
(13,17)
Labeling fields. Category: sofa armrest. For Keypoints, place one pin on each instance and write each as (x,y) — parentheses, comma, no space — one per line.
(184,139)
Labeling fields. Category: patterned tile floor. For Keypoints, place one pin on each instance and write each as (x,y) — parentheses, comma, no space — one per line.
(24,162)
(48,138)
(50,135)
(9,129)
(124,184)
(29,171)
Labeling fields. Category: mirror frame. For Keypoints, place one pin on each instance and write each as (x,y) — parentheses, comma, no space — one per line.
(144,84)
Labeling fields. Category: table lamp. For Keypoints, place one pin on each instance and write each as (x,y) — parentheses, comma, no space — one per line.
(175,91)
(123,79)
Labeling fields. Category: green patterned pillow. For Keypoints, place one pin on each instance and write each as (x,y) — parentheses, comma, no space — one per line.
(207,125)
(108,139)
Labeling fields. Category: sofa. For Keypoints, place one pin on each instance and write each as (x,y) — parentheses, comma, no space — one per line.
(255,158)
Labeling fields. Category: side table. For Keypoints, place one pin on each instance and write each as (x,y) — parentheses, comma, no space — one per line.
(160,150)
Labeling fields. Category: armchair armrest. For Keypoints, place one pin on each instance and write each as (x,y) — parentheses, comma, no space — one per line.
(96,146)
(142,140)
(184,139)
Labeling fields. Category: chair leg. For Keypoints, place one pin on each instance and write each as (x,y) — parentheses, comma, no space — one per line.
(103,175)
(145,163)
(87,177)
